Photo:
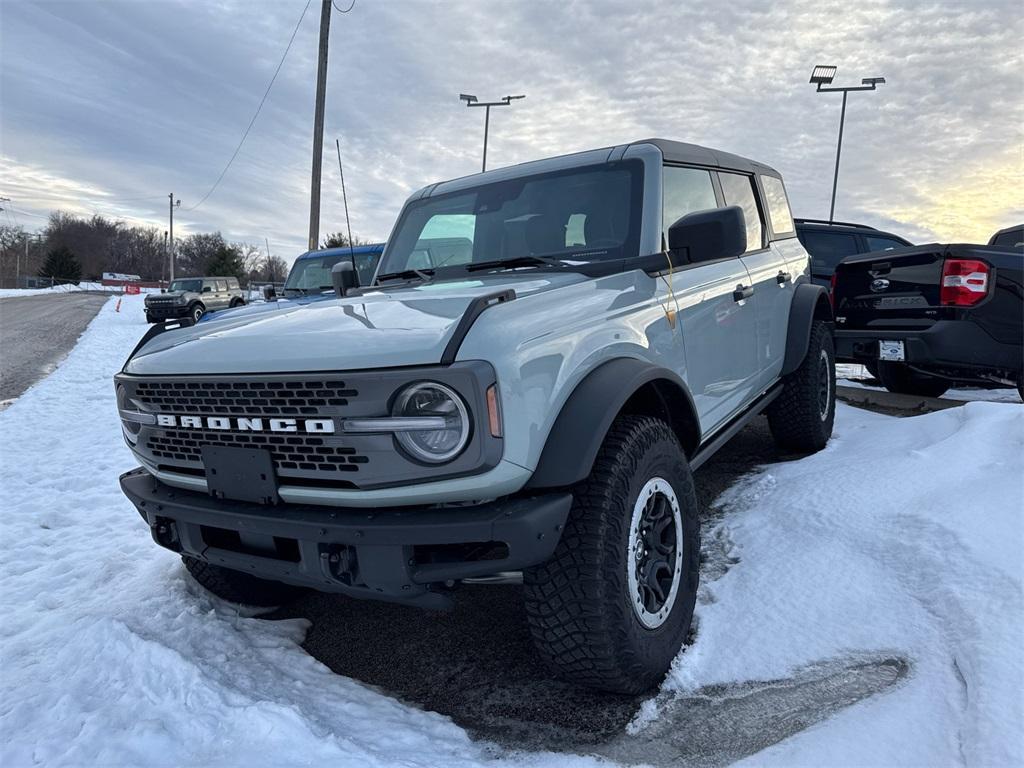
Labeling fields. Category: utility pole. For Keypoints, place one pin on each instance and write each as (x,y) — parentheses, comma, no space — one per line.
(172,204)
(473,101)
(823,75)
(163,265)
(318,126)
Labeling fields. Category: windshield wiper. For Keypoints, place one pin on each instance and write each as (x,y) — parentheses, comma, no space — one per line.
(516,261)
(408,274)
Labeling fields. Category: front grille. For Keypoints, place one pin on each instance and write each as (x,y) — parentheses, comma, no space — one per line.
(288,452)
(244,398)
(343,460)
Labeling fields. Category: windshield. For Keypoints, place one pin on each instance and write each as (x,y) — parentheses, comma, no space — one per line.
(314,273)
(191,286)
(577,216)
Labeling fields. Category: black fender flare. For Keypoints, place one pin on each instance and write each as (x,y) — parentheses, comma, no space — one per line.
(810,303)
(587,415)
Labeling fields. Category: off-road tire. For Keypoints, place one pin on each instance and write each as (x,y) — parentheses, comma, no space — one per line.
(801,417)
(578,603)
(196,312)
(238,587)
(236,303)
(899,378)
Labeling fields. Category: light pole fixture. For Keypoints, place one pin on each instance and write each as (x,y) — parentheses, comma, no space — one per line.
(472,101)
(823,76)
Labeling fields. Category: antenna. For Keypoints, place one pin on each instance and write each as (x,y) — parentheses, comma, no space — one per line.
(344,199)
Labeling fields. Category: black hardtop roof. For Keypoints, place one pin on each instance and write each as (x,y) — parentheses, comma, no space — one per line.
(694,154)
(205,277)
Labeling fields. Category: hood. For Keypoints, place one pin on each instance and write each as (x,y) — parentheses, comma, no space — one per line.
(164,296)
(381,329)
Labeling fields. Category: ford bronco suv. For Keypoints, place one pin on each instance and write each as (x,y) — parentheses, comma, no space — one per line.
(545,354)
(193,297)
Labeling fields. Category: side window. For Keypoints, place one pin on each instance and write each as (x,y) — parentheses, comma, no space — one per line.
(222,286)
(209,286)
(739,190)
(684,190)
(1011,238)
(875,243)
(778,206)
(232,283)
(827,249)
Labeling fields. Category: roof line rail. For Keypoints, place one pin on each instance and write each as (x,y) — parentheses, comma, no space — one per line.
(839,223)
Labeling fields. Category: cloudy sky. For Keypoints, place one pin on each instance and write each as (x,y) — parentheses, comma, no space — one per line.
(107,106)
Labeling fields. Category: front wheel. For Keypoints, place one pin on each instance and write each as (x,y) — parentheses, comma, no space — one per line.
(196,313)
(900,378)
(801,417)
(612,606)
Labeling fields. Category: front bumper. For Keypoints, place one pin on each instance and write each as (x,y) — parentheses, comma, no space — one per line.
(394,554)
(166,311)
(946,344)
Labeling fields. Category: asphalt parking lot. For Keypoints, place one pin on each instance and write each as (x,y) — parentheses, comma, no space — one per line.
(37,332)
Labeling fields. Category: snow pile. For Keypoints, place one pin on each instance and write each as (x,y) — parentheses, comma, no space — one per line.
(902,539)
(10,293)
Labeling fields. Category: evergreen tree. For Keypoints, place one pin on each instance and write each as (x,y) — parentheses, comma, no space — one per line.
(227,261)
(62,265)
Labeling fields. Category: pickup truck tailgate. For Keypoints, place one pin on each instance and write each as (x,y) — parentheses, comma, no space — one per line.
(891,289)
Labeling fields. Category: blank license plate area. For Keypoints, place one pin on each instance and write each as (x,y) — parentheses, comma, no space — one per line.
(891,350)
(242,474)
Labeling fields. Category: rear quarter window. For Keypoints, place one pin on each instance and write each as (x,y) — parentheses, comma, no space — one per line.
(778,206)
(827,249)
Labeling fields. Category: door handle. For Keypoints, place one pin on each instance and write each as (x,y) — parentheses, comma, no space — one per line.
(783,277)
(742,292)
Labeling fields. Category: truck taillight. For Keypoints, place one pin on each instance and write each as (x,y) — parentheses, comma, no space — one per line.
(964,282)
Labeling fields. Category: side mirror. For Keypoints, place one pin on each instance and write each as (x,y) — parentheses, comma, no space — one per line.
(718,233)
(207,289)
(163,290)
(344,277)
(269,293)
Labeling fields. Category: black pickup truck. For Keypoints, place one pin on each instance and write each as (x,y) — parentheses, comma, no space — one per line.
(927,317)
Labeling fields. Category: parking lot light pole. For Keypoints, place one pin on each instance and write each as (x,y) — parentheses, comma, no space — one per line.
(823,76)
(472,101)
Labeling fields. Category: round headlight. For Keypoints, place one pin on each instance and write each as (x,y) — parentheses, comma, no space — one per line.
(428,398)
(131,428)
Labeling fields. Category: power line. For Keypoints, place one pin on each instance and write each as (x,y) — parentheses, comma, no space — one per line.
(258,108)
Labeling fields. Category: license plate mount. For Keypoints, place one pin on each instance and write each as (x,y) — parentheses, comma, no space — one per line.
(894,351)
(241,474)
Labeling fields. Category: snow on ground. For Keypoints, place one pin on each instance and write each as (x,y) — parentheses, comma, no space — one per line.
(10,293)
(901,539)
(851,375)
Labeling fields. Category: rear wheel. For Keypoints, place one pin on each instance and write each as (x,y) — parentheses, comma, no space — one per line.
(611,607)
(900,378)
(801,417)
(238,587)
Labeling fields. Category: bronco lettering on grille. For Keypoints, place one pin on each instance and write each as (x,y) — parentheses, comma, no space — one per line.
(244,424)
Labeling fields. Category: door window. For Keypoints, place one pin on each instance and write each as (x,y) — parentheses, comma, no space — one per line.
(739,190)
(875,243)
(827,249)
(222,286)
(684,190)
(778,206)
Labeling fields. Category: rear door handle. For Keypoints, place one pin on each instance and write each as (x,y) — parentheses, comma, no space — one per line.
(783,277)
(742,292)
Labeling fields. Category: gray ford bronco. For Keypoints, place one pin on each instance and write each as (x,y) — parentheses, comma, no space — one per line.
(193,297)
(544,356)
